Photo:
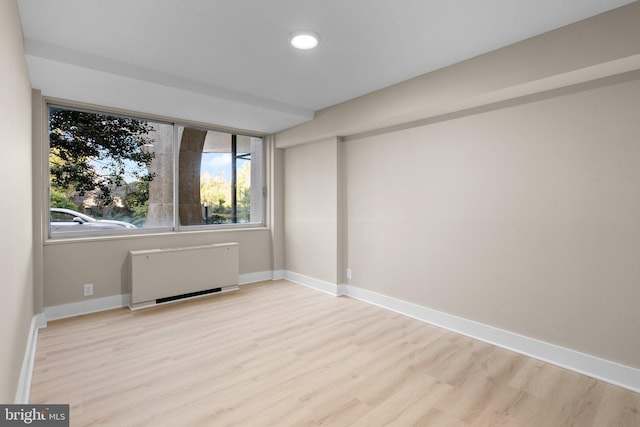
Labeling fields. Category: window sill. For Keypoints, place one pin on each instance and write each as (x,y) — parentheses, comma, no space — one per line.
(155,233)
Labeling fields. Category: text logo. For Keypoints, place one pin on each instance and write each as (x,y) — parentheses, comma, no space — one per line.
(34,415)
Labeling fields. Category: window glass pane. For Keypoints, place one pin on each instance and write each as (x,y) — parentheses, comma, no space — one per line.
(250,161)
(108,173)
(221,178)
(215,178)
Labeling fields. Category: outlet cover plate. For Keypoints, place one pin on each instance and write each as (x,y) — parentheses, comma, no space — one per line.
(88,289)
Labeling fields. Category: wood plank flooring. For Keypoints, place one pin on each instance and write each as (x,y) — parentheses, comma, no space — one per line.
(280,354)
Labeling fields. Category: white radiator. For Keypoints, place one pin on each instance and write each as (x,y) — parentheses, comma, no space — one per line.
(162,275)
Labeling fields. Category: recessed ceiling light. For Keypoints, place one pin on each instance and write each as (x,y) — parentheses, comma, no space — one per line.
(304,39)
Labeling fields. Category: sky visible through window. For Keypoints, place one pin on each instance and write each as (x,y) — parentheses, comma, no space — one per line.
(218,163)
(212,163)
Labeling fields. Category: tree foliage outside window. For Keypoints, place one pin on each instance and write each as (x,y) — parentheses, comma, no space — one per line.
(215,194)
(99,164)
(113,167)
(94,153)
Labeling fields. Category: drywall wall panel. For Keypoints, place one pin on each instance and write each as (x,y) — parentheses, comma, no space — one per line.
(103,262)
(16,250)
(311,210)
(524,218)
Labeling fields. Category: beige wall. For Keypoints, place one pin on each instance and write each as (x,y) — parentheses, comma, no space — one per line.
(518,214)
(311,210)
(523,218)
(16,252)
(503,189)
(69,265)
(276,207)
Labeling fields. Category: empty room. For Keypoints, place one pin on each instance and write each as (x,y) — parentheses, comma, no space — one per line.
(300,213)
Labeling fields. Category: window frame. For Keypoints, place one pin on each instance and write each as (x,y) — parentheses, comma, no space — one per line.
(233,225)
(49,102)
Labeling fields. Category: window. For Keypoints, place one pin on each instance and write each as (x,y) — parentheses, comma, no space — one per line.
(112,174)
(220,177)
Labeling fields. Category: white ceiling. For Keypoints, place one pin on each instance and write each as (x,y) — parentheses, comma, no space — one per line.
(229,63)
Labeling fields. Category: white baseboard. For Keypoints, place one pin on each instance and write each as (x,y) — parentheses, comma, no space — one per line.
(320,285)
(605,370)
(85,307)
(116,301)
(611,372)
(24,384)
(259,276)
(40,320)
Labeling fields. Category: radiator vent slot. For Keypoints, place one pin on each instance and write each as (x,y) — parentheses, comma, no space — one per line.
(189,295)
(159,276)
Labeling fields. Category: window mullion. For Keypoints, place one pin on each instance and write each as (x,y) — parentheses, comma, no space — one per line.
(176,178)
(234,178)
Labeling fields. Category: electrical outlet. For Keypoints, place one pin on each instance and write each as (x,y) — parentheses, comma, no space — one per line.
(88,289)
(348,273)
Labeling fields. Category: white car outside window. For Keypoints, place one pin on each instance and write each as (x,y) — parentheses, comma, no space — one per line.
(67,220)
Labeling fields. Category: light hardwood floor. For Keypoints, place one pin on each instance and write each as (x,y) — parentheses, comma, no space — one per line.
(280,354)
